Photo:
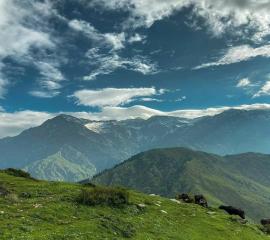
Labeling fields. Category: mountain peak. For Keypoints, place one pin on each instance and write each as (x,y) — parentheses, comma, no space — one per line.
(63,118)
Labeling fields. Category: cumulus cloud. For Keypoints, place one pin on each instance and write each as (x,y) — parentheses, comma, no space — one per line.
(23,28)
(12,124)
(233,16)
(239,54)
(112,96)
(17,37)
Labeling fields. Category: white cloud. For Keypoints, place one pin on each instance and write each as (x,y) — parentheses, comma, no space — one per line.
(12,124)
(44,94)
(239,54)
(143,13)
(16,36)
(109,62)
(265,90)
(50,80)
(112,96)
(240,17)
(24,27)
(245,82)
(3,81)
(149,99)
(122,113)
(105,56)
(181,99)
(49,72)
(115,41)
(195,113)
(136,38)
(236,17)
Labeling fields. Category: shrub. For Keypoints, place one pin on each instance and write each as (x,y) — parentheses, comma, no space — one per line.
(17,173)
(89,184)
(103,196)
(3,190)
(266,229)
(12,198)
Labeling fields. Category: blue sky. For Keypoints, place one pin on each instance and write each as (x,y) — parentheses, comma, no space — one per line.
(119,59)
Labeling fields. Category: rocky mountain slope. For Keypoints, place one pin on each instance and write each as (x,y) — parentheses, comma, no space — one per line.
(239,180)
(100,145)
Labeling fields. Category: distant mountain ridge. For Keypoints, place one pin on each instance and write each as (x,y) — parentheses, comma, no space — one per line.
(103,144)
(240,180)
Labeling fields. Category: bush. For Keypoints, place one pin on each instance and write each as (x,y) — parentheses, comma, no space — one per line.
(12,198)
(266,229)
(89,185)
(3,190)
(103,196)
(17,173)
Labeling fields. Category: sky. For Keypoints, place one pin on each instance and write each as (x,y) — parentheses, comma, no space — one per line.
(120,59)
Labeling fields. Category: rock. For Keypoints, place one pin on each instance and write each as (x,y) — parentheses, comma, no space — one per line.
(3,191)
(175,200)
(37,205)
(211,213)
(141,206)
(163,211)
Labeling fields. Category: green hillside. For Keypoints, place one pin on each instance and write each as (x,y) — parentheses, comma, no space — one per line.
(57,168)
(240,180)
(39,210)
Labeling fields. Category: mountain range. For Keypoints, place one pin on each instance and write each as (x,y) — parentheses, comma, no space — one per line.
(72,149)
(239,180)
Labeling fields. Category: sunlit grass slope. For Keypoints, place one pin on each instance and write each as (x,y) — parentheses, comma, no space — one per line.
(39,210)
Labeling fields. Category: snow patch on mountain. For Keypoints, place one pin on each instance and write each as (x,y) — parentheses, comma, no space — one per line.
(97,127)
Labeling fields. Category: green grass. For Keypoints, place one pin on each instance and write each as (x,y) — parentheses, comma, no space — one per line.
(50,212)
(56,167)
(231,180)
